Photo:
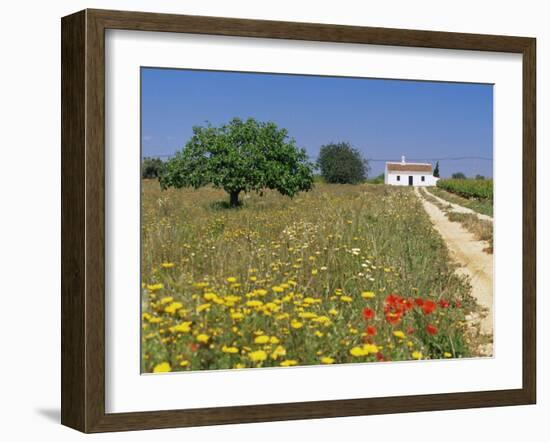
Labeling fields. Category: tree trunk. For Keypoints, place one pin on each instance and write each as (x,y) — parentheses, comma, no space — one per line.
(234,198)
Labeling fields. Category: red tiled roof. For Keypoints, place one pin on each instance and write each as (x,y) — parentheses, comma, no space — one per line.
(409,167)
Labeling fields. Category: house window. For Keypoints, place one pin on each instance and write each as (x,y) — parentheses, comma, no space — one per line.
(398,177)
(423,178)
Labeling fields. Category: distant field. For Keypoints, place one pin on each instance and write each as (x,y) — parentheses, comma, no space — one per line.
(468,188)
(474,194)
(339,274)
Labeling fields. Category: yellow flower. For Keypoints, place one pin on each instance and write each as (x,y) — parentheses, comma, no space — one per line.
(325,320)
(274,340)
(416,355)
(314,272)
(237,315)
(364,350)
(399,334)
(346,298)
(163,367)
(368,295)
(319,334)
(261,292)
(258,355)
(327,360)
(263,339)
(203,307)
(238,365)
(253,278)
(173,308)
(296,324)
(184,327)
(333,311)
(254,303)
(232,350)
(279,351)
(307,315)
(357,351)
(203,338)
(278,289)
(289,362)
(209,296)
(184,363)
(155,287)
(166,300)
(271,306)
(167,265)
(447,354)
(231,279)
(370,348)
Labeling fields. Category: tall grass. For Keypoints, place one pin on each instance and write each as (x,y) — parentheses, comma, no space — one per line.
(339,274)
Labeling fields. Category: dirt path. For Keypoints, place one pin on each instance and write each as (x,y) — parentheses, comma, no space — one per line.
(459,208)
(475,263)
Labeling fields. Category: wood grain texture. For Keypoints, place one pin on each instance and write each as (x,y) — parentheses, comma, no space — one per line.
(529,221)
(83,219)
(73,253)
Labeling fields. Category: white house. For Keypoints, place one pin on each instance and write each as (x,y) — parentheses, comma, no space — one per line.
(409,174)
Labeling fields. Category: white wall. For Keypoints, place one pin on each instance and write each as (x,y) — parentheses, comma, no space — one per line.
(392,179)
(30,218)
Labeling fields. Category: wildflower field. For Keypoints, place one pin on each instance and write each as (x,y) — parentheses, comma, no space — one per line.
(343,273)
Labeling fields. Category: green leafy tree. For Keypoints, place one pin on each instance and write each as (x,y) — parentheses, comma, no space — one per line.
(240,156)
(458,176)
(152,167)
(480,177)
(436,170)
(341,163)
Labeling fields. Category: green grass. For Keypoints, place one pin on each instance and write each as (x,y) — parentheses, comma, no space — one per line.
(483,206)
(282,281)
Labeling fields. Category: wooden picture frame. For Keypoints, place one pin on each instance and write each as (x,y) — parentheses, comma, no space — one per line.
(83,220)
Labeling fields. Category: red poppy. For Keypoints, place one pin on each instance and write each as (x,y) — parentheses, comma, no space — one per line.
(371,330)
(428,306)
(431,329)
(393,299)
(443,303)
(368,313)
(380,357)
(419,302)
(393,318)
(193,346)
(410,331)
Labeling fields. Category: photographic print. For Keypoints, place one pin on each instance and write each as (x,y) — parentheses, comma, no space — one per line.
(293,220)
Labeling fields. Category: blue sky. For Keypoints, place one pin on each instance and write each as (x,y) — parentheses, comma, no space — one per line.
(384,119)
